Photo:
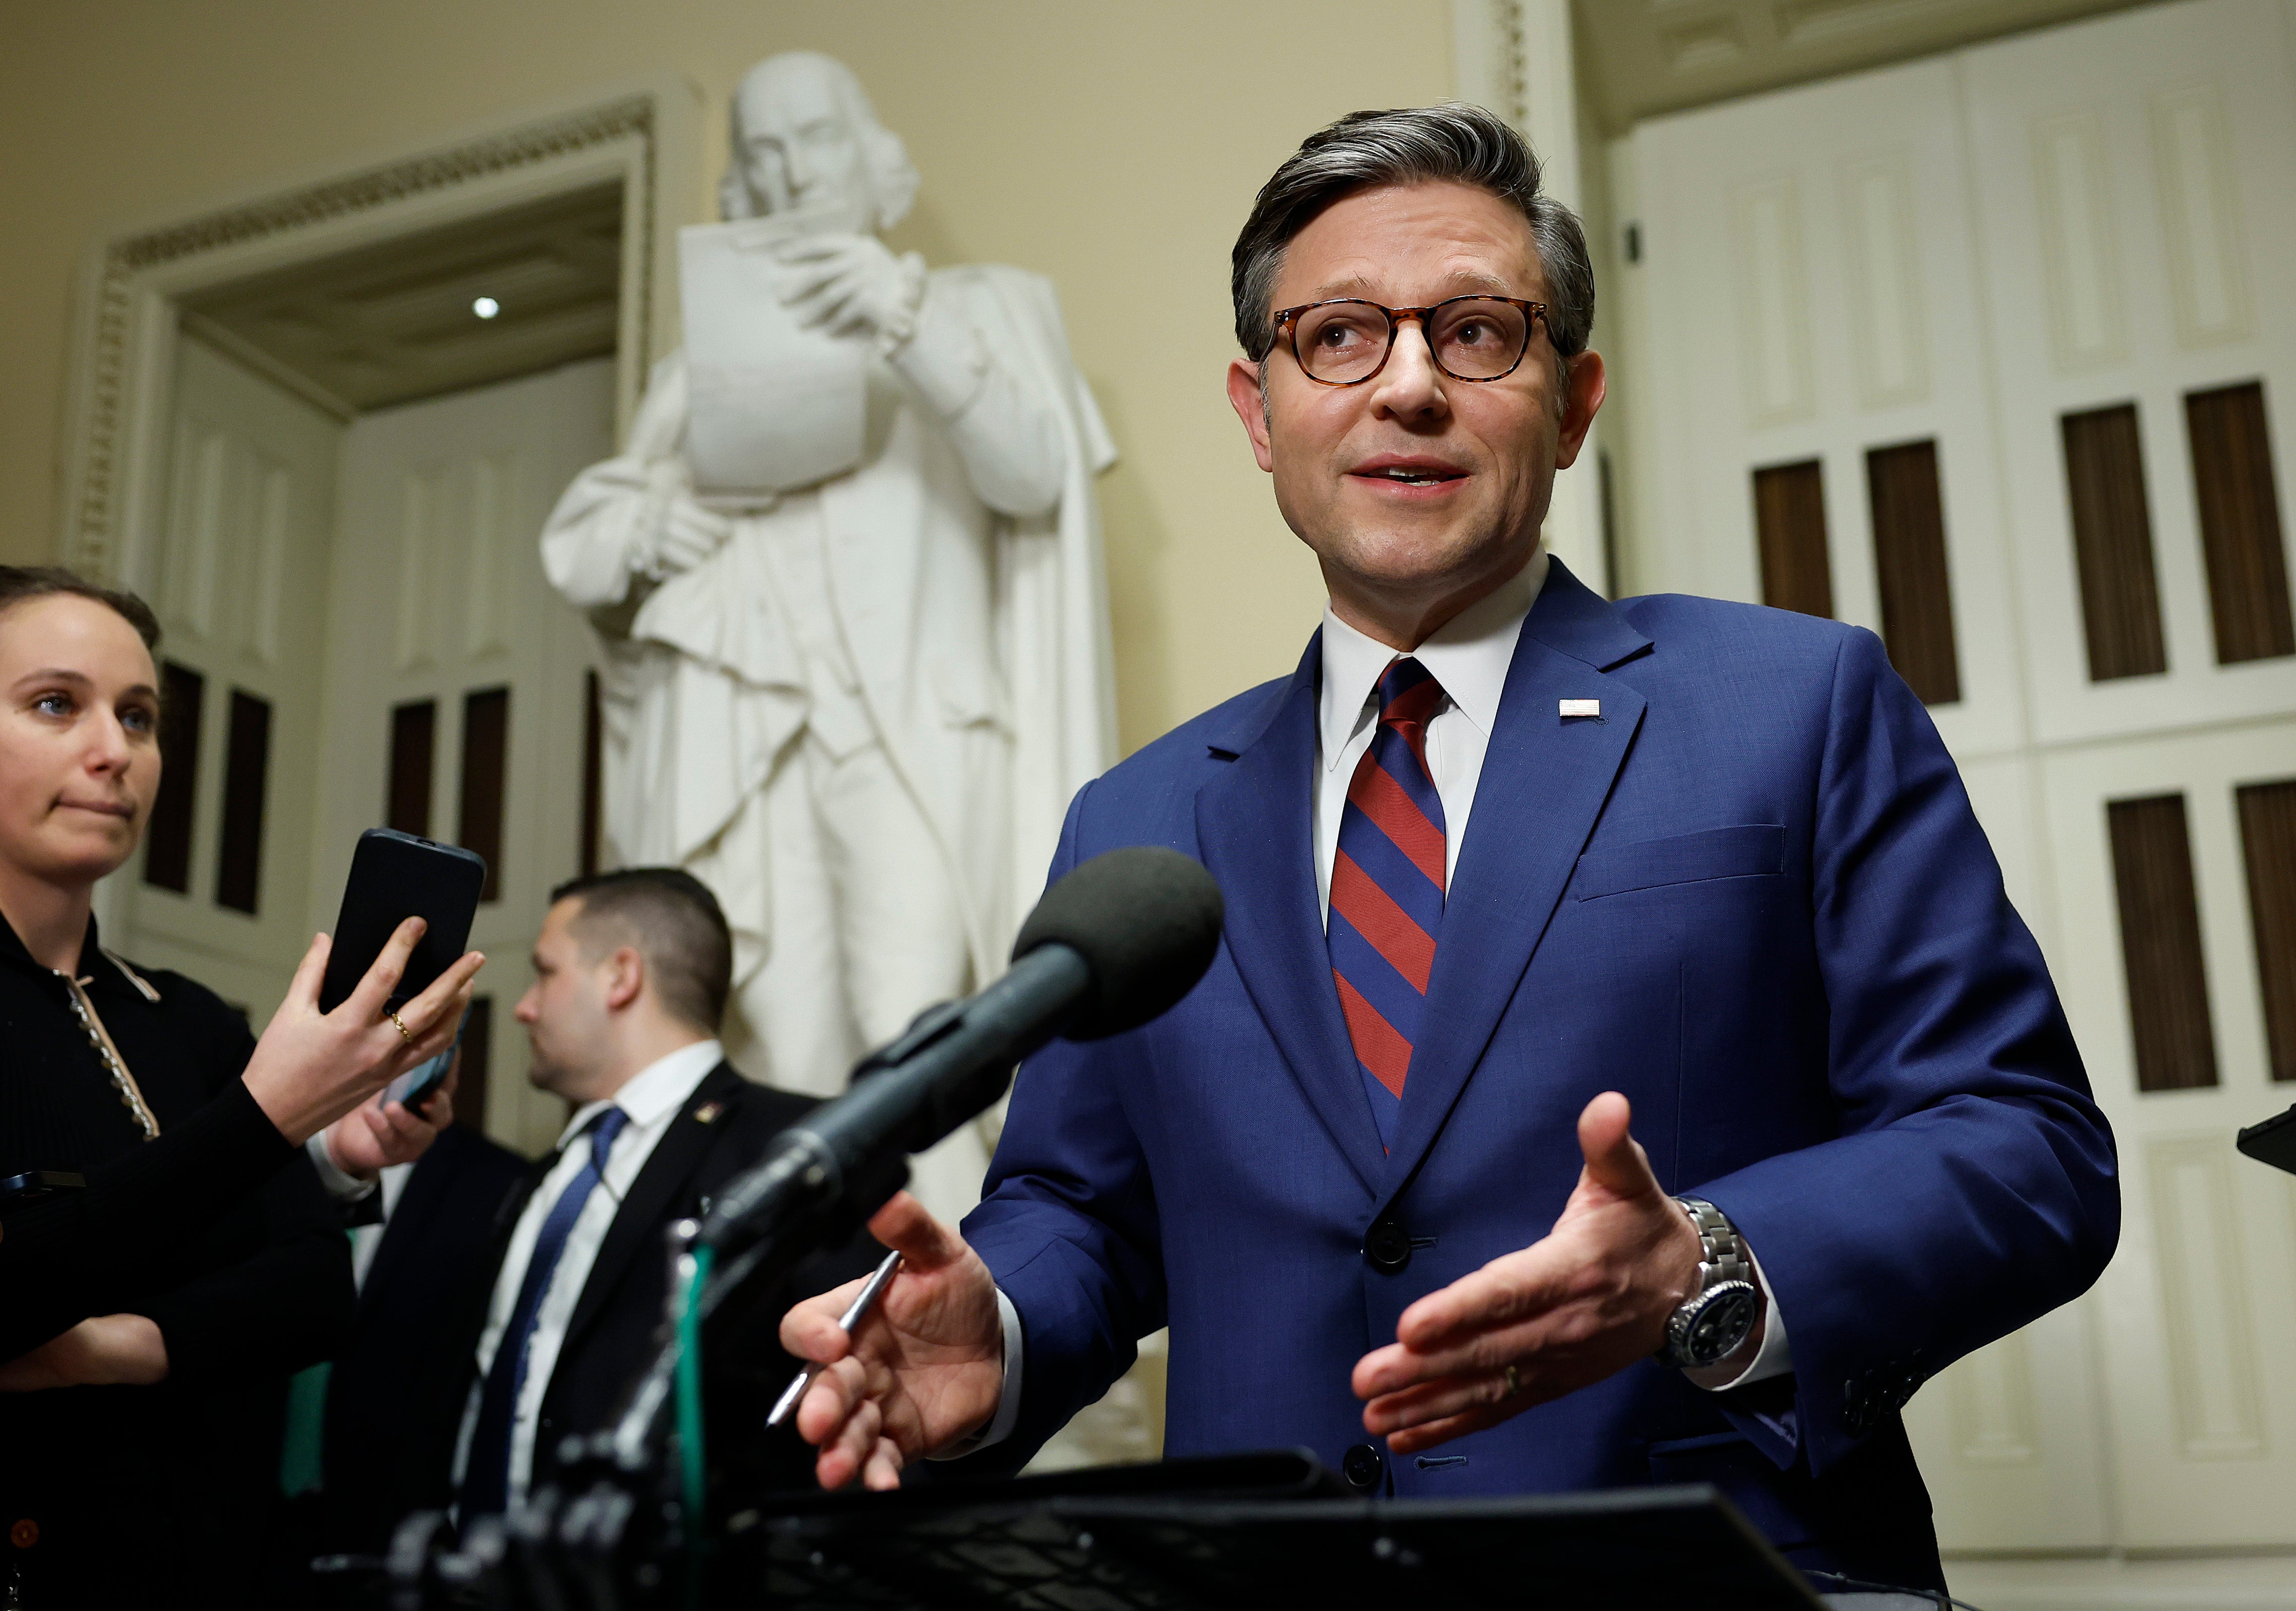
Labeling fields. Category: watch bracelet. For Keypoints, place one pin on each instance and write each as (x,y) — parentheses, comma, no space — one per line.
(1722,1261)
(1722,1255)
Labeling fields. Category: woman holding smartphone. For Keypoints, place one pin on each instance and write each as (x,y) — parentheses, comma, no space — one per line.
(142,1443)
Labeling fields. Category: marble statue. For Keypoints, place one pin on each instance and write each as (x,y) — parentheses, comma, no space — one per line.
(849,573)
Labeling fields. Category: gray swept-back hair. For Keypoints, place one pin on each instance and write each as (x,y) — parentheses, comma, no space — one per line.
(1416,145)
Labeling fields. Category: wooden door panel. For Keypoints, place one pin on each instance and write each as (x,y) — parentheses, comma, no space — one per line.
(2138,227)
(239,579)
(2203,1417)
(456,691)
(1809,289)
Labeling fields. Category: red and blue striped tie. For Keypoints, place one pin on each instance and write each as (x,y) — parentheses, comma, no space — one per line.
(1387,890)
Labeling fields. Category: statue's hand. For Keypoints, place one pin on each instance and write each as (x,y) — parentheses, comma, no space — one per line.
(686,534)
(690,534)
(850,285)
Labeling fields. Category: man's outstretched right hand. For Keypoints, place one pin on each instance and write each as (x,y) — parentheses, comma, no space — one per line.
(925,1367)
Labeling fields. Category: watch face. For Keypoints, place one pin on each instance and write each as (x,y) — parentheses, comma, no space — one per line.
(1720,1323)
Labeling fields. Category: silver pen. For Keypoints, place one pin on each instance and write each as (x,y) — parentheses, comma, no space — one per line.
(855,1313)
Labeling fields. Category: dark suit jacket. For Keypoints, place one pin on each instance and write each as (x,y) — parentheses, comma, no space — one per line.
(1751,895)
(432,1248)
(723,1129)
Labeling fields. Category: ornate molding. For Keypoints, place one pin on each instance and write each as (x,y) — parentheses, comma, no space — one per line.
(91,543)
(1513,75)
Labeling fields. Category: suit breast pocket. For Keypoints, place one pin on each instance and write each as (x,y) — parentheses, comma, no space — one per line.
(1745,851)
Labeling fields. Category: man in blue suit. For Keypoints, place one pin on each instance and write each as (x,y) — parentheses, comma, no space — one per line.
(1508,870)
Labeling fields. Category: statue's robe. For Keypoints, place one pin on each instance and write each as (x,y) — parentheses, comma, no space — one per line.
(959,571)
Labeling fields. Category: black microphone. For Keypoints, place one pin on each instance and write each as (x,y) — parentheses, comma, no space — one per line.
(1110,946)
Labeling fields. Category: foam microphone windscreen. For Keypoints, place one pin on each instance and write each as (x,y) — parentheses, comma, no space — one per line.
(1147,922)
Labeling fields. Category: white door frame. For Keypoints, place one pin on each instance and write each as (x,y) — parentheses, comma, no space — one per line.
(120,378)
(133,277)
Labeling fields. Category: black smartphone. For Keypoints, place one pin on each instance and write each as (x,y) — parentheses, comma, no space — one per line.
(2272,1141)
(37,1186)
(394,877)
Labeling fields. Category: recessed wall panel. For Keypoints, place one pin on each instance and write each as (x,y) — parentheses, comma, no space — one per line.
(414,740)
(1789,528)
(2239,499)
(2112,543)
(246,776)
(167,838)
(2267,836)
(1910,568)
(2161,960)
(486,771)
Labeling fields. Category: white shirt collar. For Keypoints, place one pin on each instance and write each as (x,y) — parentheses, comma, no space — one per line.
(1469,655)
(655,1091)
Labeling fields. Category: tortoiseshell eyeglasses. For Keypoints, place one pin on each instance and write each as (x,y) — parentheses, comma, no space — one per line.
(1347,341)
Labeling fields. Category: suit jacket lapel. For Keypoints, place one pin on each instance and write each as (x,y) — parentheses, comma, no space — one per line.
(644,1208)
(1255,821)
(1543,783)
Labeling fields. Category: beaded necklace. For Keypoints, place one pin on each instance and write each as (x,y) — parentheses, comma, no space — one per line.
(131,1095)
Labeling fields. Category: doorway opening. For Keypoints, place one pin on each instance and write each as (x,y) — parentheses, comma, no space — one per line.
(320,433)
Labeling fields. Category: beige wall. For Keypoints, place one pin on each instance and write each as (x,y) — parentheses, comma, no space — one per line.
(1112,147)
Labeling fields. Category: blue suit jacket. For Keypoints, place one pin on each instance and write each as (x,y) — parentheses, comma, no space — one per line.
(1751,895)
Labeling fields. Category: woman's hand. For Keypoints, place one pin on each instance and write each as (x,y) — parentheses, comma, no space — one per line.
(106,1351)
(311,1067)
(374,1135)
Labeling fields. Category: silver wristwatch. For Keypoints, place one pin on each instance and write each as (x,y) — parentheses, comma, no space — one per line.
(1715,1319)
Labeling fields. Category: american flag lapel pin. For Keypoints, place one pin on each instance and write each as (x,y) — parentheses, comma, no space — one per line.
(1568,708)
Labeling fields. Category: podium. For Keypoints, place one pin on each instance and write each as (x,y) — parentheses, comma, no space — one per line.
(1251,1532)
(1256,1531)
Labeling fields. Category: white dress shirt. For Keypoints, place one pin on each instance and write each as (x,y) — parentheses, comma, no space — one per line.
(341,1184)
(345,1187)
(653,1098)
(1470,656)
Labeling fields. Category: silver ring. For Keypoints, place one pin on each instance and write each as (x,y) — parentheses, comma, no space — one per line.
(1514,1383)
(399,1024)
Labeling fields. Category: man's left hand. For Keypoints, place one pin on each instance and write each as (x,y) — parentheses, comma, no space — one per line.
(1582,1304)
(373,1136)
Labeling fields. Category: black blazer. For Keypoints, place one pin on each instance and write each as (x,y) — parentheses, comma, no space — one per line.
(723,1129)
(433,1246)
(129,1496)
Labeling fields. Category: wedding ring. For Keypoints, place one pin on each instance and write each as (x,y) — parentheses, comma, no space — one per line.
(1515,1384)
(399,1024)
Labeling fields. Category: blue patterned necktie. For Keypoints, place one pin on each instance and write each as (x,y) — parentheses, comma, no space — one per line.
(486,1480)
(1388,890)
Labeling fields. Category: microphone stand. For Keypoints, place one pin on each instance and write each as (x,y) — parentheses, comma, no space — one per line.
(616,1514)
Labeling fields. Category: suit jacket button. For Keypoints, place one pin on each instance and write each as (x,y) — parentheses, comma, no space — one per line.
(25,1534)
(1363,1465)
(1388,1247)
